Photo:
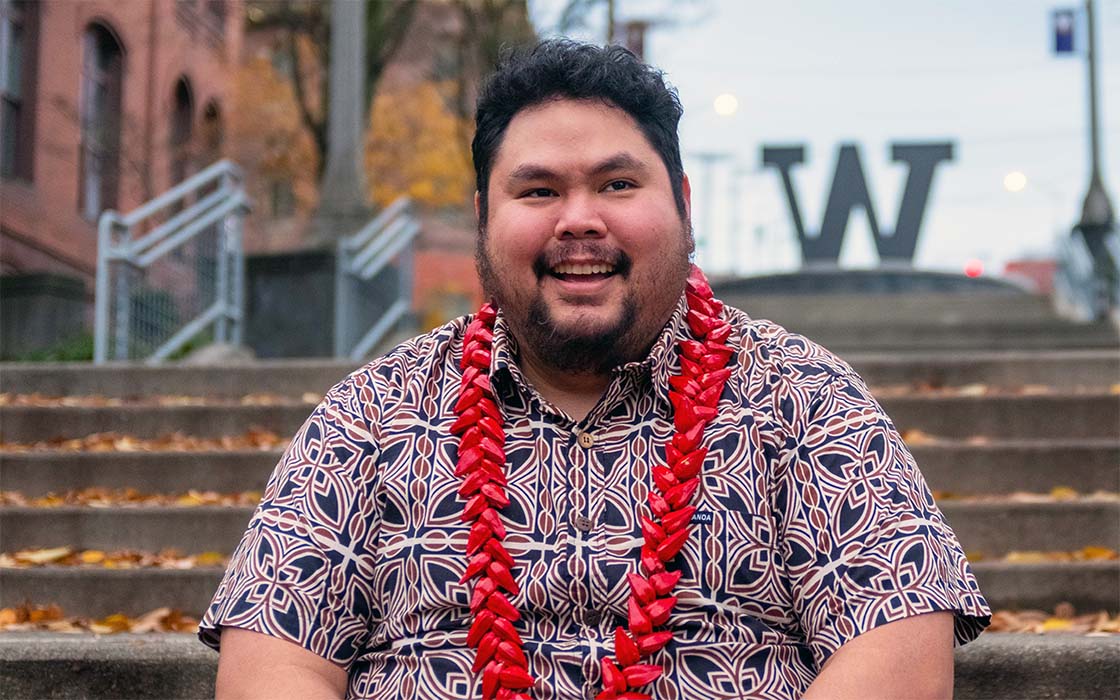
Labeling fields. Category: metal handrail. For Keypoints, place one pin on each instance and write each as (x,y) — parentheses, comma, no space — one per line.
(387,236)
(120,250)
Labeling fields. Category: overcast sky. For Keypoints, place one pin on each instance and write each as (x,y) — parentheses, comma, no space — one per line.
(979,73)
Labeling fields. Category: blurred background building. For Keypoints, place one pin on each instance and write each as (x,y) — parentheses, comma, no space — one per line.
(106,105)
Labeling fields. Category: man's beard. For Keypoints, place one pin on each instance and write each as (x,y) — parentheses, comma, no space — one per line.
(573,349)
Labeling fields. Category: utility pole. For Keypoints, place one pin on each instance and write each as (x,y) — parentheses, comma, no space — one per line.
(1097,218)
(1096,212)
(342,193)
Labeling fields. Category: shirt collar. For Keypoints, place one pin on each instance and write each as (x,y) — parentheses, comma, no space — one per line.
(661,362)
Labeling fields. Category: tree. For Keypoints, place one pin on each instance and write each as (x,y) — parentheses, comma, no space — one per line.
(489,27)
(306,28)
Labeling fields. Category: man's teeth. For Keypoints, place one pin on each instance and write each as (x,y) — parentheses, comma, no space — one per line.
(583,269)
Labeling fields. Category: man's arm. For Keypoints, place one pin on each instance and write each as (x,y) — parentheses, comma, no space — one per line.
(909,658)
(254,665)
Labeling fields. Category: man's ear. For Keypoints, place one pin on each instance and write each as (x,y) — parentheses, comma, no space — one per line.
(477,206)
(686,194)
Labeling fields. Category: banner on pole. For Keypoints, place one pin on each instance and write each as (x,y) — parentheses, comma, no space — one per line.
(1065,30)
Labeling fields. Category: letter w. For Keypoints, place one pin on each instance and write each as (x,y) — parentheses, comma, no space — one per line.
(849,190)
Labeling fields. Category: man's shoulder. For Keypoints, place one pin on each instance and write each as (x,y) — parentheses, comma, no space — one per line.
(421,357)
(773,354)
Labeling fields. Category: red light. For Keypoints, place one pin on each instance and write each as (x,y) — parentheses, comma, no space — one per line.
(974,268)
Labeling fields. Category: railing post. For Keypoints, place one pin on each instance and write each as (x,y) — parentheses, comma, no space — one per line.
(407,265)
(122,319)
(237,279)
(101,299)
(341,300)
(221,279)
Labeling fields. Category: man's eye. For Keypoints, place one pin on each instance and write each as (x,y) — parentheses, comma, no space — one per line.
(619,186)
(538,192)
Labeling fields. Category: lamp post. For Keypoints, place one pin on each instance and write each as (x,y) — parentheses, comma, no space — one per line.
(1096,212)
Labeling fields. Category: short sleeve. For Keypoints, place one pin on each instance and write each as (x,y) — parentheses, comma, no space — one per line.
(303,568)
(864,543)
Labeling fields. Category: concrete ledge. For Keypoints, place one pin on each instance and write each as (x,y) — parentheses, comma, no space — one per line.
(44,665)
(1026,667)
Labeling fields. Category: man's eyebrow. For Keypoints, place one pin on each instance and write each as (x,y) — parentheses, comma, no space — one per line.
(619,161)
(530,171)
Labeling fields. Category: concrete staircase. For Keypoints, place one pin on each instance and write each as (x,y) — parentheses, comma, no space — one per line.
(983,441)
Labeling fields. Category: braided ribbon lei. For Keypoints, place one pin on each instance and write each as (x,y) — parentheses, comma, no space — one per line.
(694,393)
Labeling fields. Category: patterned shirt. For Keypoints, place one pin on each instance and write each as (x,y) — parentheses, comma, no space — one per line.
(813,525)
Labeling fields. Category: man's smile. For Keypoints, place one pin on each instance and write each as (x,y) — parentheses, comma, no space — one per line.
(582,272)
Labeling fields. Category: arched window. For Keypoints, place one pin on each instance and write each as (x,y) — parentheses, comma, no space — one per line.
(100,113)
(19,28)
(182,121)
(211,133)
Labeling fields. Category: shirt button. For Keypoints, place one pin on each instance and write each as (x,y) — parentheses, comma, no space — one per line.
(586,440)
(592,617)
(582,523)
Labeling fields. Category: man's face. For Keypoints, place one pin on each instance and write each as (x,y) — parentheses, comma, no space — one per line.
(584,248)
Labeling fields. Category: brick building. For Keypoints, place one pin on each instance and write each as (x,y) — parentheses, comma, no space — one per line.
(105,104)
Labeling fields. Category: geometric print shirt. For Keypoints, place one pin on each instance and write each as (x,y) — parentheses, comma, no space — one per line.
(813,525)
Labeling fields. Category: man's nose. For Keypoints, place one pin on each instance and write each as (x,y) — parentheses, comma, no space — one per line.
(579,217)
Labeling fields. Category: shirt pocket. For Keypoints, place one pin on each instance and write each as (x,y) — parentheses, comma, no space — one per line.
(734,565)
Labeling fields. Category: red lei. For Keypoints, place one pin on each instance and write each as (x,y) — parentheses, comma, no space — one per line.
(694,394)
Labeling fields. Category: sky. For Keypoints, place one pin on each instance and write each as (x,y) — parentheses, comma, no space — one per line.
(979,73)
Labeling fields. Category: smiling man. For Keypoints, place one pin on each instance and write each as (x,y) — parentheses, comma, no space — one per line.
(604,483)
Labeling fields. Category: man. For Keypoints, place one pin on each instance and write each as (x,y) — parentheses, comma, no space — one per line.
(611,486)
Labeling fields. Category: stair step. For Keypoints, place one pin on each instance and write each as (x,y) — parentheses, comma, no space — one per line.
(40,473)
(996,528)
(1034,466)
(96,592)
(294,378)
(1067,369)
(1088,586)
(1026,335)
(188,529)
(1062,416)
(45,423)
(140,666)
(989,528)
(1045,416)
(1003,466)
(284,377)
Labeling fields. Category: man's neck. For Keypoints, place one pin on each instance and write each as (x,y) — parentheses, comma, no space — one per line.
(575,393)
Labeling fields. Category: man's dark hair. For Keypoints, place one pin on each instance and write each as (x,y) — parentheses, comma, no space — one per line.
(561,68)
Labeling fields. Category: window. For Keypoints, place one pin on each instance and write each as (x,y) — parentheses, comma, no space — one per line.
(18,25)
(281,199)
(182,119)
(102,69)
